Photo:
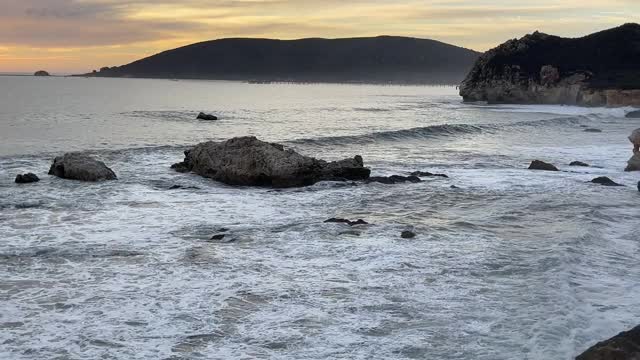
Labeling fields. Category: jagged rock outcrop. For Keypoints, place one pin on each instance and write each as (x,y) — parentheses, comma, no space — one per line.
(79,166)
(247,161)
(596,70)
(624,346)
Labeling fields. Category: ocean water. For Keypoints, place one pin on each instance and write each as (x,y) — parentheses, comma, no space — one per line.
(509,264)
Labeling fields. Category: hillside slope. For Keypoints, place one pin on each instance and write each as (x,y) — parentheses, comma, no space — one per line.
(380,59)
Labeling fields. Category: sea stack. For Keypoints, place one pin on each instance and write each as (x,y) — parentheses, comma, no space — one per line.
(600,69)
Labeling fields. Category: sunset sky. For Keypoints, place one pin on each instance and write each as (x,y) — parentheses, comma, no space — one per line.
(67,36)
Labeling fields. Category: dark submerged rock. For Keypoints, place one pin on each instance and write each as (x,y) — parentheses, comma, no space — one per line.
(183,187)
(633,114)
(592,130)
(346,221)
(394,179)
(26,178)
(79,166)
(407,234)
(638,185)
(624,346)
(579,163)
(203,116)
(247,161)
(427,174)
(541,165)
(218,237)
(603,180)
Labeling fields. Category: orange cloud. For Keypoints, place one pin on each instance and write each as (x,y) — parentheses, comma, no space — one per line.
(79,35)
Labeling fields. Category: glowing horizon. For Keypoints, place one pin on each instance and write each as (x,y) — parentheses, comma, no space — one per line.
(75,36)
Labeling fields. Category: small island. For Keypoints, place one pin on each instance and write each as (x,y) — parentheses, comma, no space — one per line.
(41,73)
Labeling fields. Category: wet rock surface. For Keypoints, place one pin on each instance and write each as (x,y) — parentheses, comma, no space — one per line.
(624,346)
(541,165)
(579,163)
(208,117)
(80,166)
(26,178)
(393,179)
(428,174)
(603,180)
(346,221)
(247,161)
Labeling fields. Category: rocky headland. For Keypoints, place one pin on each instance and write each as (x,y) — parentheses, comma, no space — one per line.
(601,69)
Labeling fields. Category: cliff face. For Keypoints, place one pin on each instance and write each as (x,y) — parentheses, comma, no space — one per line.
(602,69)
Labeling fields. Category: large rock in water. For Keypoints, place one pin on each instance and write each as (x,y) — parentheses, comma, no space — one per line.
(247,161)
(634,163)
(79,166)
(541,165)
(596,70)
(624,346)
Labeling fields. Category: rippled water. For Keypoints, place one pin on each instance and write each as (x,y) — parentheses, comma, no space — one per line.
(509,264)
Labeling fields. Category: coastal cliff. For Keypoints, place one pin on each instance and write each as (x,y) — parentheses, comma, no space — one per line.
(601,69)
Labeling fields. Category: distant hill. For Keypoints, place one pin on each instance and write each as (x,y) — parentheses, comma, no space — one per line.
(384,59)
(601,69)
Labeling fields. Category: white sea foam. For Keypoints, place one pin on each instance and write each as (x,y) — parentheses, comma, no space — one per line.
(510,264)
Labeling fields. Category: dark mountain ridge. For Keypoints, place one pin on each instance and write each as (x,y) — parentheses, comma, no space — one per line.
(383,59)
(541,68)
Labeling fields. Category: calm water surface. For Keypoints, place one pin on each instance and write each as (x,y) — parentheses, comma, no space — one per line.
(510,264)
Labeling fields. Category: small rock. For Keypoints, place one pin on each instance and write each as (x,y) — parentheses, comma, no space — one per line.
(592,130)
(346,221)
(454,187)
(394,179)
(427,174)
(579,163)
(203,116)
(624,346)
(218,237)
(223,230)
(407,234)
(41,73)
(350,233)
(541,165)
(26,178)
(633,114)
(638,185)
(603,180)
